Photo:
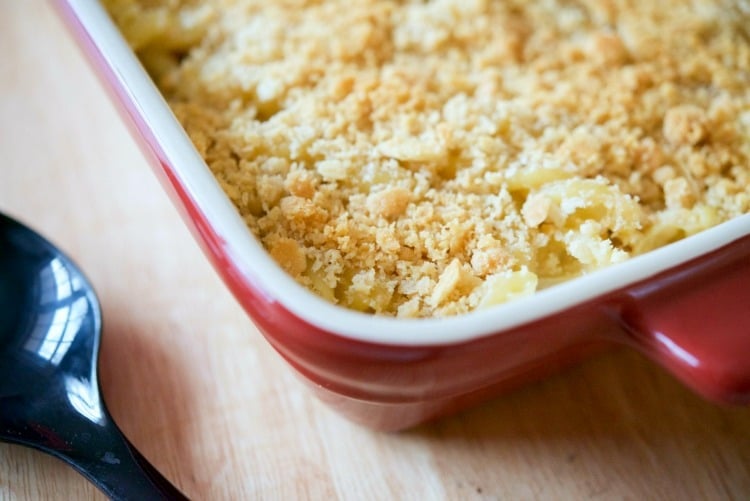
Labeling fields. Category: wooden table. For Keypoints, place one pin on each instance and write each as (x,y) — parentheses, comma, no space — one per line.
(196,388)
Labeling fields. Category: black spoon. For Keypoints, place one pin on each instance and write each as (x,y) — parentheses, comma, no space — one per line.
(50,325)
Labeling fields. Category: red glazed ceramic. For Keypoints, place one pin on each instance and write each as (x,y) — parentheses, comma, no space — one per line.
(686,306)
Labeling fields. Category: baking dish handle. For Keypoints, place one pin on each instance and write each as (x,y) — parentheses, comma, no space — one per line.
(695,322)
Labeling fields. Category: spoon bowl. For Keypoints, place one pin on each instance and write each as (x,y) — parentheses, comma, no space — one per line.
(50,398)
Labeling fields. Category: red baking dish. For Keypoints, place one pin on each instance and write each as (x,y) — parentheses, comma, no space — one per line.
(686,306)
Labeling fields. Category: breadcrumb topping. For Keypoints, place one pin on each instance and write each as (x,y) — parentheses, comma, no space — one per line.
(430,157)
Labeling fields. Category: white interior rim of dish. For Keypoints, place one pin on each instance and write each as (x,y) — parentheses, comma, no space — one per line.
(260,270)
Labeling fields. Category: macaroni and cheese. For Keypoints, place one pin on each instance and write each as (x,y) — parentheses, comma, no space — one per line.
(430,157)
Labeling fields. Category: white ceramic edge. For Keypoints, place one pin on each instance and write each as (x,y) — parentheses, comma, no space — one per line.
(258,267)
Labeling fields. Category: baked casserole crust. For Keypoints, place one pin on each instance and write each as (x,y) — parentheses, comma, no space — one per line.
(427,158)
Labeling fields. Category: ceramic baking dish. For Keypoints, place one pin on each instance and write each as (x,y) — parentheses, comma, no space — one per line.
(686,306)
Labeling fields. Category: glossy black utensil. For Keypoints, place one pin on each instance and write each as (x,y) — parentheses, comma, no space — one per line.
(50,324)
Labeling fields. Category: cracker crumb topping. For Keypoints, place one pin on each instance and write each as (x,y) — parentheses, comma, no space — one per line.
(430,157)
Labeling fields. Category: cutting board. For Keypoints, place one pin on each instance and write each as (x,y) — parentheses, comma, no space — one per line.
(195,386)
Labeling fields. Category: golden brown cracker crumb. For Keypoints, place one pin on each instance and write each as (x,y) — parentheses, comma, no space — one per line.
(389,203)
(455,280)
(289,255)
(300,183)
(302,211)
(607,48)
(685,125)
(426,158)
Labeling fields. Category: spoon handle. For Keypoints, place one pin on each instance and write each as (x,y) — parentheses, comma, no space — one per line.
(98,450)
(118,469)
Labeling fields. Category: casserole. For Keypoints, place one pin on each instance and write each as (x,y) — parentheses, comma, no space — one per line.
(684,305)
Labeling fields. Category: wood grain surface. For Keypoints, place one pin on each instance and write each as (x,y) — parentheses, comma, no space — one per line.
(192,383)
